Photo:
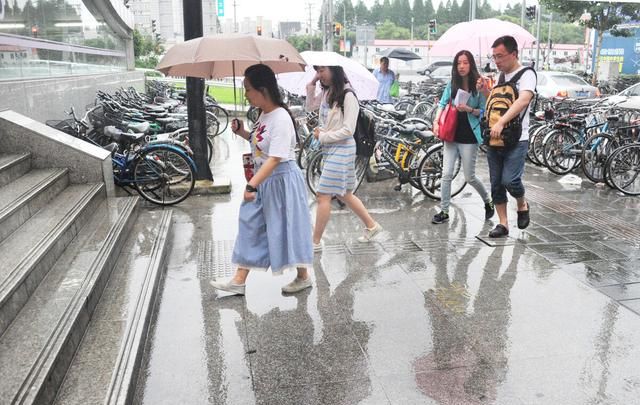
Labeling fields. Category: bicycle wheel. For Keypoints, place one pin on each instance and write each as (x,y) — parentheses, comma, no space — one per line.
(595,153)
(213,125)
(559,156)
(252,114)
(404,105)
(306,152)
(535,140)
(222,115)
(624,169)
(421,110)
(314,170)
(163,176)
(430,174)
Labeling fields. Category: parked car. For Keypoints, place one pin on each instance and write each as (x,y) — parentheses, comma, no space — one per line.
(627,98)
(440,74)
(434,66)
(561,84)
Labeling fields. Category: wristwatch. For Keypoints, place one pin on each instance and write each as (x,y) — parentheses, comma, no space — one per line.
(250,188)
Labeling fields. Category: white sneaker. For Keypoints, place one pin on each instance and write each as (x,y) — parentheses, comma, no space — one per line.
(369,234)
(228,286)
(317,247)
(297,285)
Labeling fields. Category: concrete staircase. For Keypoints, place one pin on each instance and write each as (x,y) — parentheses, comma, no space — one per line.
(79,274)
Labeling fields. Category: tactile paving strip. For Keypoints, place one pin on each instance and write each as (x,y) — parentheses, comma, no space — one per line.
(214,259)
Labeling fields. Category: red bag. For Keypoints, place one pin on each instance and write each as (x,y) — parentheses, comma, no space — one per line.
(247,163)
(447,123)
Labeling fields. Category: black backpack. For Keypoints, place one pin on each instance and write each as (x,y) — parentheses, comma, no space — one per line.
(365,133)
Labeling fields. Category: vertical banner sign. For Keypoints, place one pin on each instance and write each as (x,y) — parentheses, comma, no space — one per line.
(220,8)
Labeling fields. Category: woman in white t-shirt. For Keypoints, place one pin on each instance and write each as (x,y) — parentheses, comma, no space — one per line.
(274,225)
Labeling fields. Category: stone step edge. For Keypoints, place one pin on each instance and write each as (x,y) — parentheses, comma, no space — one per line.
(16,167)
(20,157)
(31,193)
(122,387)
(39,252)
(52,356)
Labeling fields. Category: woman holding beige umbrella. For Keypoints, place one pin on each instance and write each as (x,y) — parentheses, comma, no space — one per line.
(274,225)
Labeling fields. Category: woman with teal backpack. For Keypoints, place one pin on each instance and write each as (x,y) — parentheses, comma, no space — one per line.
(469,103)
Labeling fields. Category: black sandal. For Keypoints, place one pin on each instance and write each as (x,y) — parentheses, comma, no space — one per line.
(499,231)
(523,218)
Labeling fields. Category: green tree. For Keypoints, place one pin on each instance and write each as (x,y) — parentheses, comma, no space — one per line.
(389,30)
(376,14)
(603,17)
(419,14)
(302,42)
(429,11)
(405,13)
(362,13)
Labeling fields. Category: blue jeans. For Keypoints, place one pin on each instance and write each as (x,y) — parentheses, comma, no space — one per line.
(468,154)
(506,168)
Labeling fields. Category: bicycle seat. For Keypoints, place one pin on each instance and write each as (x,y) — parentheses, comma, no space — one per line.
(154,108)
(139,126)
(613,118)
(412,129)
(168,120)
(398,115)
(119,136)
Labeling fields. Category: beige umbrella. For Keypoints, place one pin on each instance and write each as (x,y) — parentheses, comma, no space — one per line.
(227,55)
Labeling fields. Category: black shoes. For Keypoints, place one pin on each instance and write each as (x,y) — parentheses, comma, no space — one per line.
(489,211)
(499,231)
(440,218)
(523,218)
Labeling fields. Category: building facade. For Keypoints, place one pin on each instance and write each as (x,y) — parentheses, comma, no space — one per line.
(165,17)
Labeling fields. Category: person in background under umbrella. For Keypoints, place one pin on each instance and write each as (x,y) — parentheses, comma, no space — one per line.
(386,77)
(274,225)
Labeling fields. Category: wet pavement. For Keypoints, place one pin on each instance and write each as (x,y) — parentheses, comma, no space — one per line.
(426,314)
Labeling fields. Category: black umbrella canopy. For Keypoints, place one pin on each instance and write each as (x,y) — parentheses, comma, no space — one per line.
(400,53)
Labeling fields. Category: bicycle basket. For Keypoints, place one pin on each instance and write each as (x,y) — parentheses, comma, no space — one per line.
(67,126)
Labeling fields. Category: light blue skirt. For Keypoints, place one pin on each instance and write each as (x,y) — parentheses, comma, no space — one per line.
(339,168)
(275,229)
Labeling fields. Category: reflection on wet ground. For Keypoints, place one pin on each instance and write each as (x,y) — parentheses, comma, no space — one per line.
(425,315)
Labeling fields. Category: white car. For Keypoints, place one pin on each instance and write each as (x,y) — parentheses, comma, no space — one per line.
(566,85)
(627,98)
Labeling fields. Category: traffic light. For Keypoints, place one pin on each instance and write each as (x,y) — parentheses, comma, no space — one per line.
(531,12)
(433,27)
(337,29)
(259,30)
(34,31)
(154,27)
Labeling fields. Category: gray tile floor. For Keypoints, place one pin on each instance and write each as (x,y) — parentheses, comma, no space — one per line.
(424,315)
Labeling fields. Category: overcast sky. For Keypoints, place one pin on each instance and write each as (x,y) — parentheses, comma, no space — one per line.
(296,10)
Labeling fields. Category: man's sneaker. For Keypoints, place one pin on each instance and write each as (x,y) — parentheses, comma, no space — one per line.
(228,286)
(317,247)
(297,285)
(489,210)
(370,233)
(440,218)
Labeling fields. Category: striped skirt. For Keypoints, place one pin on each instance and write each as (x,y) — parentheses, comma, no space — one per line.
(275,229)
(338,171)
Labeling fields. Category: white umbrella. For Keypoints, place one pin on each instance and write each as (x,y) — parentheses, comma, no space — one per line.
(477,36)
(362,81)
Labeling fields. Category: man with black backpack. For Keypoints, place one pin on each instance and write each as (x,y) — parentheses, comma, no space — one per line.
(507,131)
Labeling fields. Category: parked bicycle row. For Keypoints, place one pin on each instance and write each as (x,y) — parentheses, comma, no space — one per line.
(596,137)
(147,135)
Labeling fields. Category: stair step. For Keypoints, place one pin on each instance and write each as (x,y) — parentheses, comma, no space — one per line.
(13,166)
(38,346)
(30,252)
(24,196)
(104,369)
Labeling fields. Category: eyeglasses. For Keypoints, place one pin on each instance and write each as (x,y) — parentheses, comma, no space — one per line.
(499,57)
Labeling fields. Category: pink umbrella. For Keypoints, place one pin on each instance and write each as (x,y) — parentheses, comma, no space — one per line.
(477,36)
